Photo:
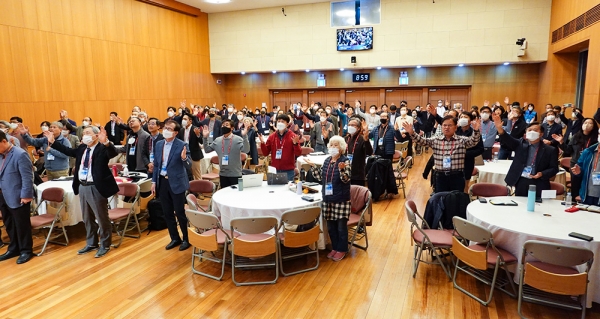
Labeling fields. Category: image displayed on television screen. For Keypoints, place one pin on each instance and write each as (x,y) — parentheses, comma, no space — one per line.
(355,39)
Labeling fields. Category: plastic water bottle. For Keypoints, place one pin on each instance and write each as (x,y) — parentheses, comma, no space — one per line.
(531,198)
(299,188)
(568,200)
(240,184)
(125,171)
(495,157)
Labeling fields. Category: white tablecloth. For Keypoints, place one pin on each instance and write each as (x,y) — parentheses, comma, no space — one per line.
(317,159)
(258,201)
(495,173)
(512,226)
(205,162)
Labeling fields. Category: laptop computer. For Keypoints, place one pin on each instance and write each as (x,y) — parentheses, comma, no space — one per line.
(253,180)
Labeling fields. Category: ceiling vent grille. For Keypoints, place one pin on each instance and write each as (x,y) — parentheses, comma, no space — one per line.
(581,22)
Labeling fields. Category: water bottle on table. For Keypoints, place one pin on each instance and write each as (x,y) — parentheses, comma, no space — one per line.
(568,200)
(531,198)
(495,157)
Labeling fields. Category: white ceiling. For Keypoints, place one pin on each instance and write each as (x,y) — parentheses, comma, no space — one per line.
(237,5)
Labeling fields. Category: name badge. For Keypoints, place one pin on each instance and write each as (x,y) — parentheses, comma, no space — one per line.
(152,157)
(210,135)
(447,161)
(131,140)
(596,178)
(328,189)
(263,124)
(346,127)
(225,160)
(350,156)
(526,172)
(112,132)
(83,173)
(132,150)
(483,136)
(163,171)
(370,127)
(50,157)
(278,153)
(380,142)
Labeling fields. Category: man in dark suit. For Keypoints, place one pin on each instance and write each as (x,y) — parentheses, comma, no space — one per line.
(515,126)
(192,136)
(16,194)
(214,125)
(534,162)
(113,129)
(170,181)
(94,183)
(133,148)
(551,128)
(155,136)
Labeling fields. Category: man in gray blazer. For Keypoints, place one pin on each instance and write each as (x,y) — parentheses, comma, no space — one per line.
(16,194)
(134,145)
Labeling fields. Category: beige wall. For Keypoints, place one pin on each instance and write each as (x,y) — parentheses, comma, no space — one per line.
(412,32)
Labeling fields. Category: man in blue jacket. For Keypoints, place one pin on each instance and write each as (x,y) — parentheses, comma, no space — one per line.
(170,181)
(383,137)
(16,194)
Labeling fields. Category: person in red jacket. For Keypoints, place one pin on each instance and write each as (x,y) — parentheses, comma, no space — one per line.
(283,146)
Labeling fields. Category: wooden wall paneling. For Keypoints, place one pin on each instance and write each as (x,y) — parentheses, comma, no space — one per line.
(438,94)
(295,96)
(57,93)
(159,70)
(30,19)
(316,96)
(42,11)
(154,26)
(107,26)
(393,96)
(281,99)
(413,97)
(120,75)
(141,23)
(20,66)
(371,97)
(333,97)
(57,17)
(102,75)
(72,67)
(85,18)
(180,37)
(89,68)
(459,96)
(38,65)
(8,89)
(11,13)
(353,95)
(124,21)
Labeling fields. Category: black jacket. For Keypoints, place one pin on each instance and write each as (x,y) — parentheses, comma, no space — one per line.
(103,179)
(194,143)
(517,132)
(149,146)
(471,152)
(117,138)
(381,178)
(216,128)
(546,161)
(360,149)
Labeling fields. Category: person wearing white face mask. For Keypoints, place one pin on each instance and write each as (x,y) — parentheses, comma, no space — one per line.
(77,130)
(283,146)
(465,129)
(400,133)
(551,128)
(488,132)
(530,115)
(534,162)
(359,147)
(192,135)
(135,142)
(335,177)
(373,120)
(515,125)
(55,162)
(321,132)
(94,183)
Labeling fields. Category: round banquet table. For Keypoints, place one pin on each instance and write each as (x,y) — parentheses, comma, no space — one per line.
(265,200)
(495,173)
(205,162)
(71,214)
(512,226)
(317,159)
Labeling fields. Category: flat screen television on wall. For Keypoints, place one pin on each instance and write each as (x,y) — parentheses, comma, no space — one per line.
(355,39)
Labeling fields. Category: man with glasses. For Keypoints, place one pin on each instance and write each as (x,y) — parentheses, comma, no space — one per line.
(155,136)
(170,181)
(55,162)
(229,148)
(133,148)
(449,152)
(94,183)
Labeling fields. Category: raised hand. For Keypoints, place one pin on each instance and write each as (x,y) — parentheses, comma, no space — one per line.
(356,103)
(102,136)
(408,128)
(197,131)
(476,124)
(22,129)
(497,122)
(49,136)
(296,138)
(486,103)
(182,103)
(205,132)
(506,100)
(432,110)
(576,169)
(557,138)
(119,120)
(184,154)
(245,130)
(447,104)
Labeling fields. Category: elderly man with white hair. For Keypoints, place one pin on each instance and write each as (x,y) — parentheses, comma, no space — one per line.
(335,176)
(55,162)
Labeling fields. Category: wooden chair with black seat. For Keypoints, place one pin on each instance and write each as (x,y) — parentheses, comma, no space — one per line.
(297,243)
(482,260)
(360,216)
(120,217)
(207,237)
(488,190)
(258,247)
(204,188)
(51,221)
(436,241)
(548,275)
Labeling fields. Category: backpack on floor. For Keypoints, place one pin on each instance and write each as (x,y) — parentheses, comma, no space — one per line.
(156,217)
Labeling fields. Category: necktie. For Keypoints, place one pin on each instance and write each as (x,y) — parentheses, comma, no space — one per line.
(86,160)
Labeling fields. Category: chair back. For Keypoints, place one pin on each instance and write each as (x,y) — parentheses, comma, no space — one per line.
(202,220)
(558,187)
(411,209)
(488,190)
(199,222)
(53,194)
(557,254)
(306,138)
(397,155)
(192,201)
(471,231)
(128,190)
(214,160)
(360,201)
(307,150)
(565,163)
(264,246)
(254,225)
(300,217)
(146,186)
(202,186)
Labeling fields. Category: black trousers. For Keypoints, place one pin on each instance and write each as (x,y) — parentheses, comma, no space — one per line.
(575,185)
(226,181)
(522,186)
(452,181)
(170,203)
(358,182)
(18,227)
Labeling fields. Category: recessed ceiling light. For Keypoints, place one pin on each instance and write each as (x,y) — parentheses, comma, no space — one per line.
(217,1)
(378,68)
(274,71)
(342,69)
(506,63)
(461,65)
(307,70)
(243,72)
(418,66)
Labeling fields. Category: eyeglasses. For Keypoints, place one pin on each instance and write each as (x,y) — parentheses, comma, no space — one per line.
(169,129)
(447,125)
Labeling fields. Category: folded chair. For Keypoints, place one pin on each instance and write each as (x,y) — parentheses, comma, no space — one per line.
(401,173)
(53,222)
(559,188)
(207,237)
(307,150)
(203,187)
(553,275)
(437,242)
(145,188)
(120,217)
(360,198)
(296,243)
(254,243)
(480,257)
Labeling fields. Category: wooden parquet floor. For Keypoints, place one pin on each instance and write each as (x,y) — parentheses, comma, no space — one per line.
(141,279)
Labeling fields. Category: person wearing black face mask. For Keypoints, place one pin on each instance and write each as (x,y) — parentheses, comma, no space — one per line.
(229,148)
(383,138)
(262,123)
(213,125)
